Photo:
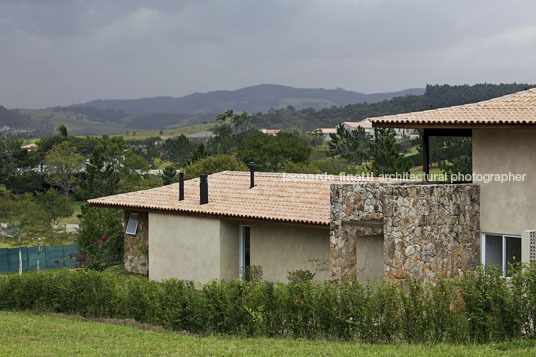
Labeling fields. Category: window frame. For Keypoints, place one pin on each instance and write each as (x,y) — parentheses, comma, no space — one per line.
(242,249)
(132,217)
(503,253)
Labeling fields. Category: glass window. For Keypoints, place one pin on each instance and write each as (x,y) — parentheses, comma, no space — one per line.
(132,226)
(502,250)
(244,250)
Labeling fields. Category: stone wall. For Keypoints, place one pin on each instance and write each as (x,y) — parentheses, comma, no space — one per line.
(429,231)
(137,247)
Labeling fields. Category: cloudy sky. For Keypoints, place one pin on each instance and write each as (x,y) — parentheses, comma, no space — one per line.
(55,52)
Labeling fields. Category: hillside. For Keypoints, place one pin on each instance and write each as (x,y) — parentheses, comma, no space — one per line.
(435,96)
(95,121)
(254,99)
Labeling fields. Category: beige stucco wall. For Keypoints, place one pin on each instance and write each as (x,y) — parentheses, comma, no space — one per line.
(369,258)
(203,249)
(229,233)
(279,249)
(510,207)
(184,247)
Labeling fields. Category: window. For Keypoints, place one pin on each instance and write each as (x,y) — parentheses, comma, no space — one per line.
(501,250)
(244,250)
(132,226)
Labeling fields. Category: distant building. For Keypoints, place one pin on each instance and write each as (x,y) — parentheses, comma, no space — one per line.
(273,132)
(201,136)
(324,132)
(353,125)
(166,137)
(29,146)
(4,128)
(367,125)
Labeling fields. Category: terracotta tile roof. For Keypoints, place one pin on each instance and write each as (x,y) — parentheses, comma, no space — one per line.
(272,198)
(517,109)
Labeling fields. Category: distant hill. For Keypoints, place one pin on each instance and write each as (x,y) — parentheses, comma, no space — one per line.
(90,120)
(435,96)
(254,99)
(14,119)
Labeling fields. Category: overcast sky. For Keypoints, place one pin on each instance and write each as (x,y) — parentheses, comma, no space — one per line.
(64,52)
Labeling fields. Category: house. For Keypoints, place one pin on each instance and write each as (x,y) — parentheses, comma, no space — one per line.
(272,132)
(202,136)
(359,227)
(30,146)
(324,133)
(503,132)
(281,224)
(353,125)
(367,125)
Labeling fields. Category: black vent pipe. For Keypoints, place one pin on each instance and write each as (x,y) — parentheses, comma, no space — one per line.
(203,189)
(251,174)
(181,186)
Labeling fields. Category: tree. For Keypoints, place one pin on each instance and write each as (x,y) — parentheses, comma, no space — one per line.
(16,164)
(168,175)
(102,178)
(54,204)
(271,153)
(178,149)
(62,130)
(213,164)
(385,157)
(63,164)
(7,159)
(236,120)
(455,155)
(27,223)
(199,153)
(352,145)
(223,141)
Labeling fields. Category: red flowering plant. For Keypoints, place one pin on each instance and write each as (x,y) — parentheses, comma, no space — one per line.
(100,238)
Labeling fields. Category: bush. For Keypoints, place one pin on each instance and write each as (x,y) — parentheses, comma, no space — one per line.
(300,276)
(252,273)
(480,307)
(100,238)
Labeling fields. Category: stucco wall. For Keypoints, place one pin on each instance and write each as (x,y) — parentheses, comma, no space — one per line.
(184,247)
(279,249)
(507,208)
(229,233)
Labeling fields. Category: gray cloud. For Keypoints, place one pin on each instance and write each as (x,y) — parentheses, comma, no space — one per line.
(62,52)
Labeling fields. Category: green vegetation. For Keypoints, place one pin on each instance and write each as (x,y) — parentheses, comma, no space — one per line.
(478,308)
(27,334)
(435,96)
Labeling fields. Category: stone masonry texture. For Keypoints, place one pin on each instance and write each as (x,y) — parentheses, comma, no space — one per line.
(137,247)
(429,230)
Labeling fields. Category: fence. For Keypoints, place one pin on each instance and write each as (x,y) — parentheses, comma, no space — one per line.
(55,256)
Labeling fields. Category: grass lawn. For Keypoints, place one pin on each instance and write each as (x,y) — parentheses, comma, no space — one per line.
(75,205)
(26,334)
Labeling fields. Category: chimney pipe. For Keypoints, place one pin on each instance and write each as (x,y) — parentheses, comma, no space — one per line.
(203,189)
(251,174)
(181,186)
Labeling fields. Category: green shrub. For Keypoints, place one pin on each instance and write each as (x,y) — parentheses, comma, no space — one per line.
(300,276)
(252,273)
(480,307)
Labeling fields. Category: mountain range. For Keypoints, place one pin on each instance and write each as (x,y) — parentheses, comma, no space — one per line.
(254,99)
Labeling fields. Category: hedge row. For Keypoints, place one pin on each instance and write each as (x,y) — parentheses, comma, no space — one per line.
(477,308)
